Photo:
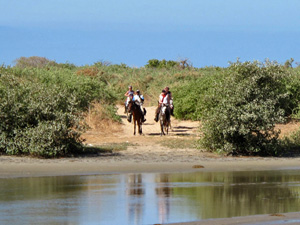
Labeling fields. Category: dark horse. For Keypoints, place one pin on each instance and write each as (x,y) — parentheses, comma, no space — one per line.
(164,119)
(137,115)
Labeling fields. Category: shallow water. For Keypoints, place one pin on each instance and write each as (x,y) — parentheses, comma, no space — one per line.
(147,198)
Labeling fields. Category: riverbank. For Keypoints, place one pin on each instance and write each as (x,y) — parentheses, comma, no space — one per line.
(151,159)
(147,153)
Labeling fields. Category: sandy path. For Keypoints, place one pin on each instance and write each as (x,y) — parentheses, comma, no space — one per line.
(151,130)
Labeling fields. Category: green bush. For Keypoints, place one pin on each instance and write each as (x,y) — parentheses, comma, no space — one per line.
(155,63)
(246,107)
(37,119)
(85,88)
(293,87)
(192,99)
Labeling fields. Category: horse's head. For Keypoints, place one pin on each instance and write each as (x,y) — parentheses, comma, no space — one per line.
(164,109)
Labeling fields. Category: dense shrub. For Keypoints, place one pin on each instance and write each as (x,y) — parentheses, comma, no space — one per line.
(293,87)
(193,99)
(247,106)
(86,88)
(41,109)
(37,120)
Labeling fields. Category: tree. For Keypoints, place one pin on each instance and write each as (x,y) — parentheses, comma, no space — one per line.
(155,63)
(289,63)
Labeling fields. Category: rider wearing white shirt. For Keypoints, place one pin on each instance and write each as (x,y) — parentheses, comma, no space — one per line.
(163,99)
(138,97)
(128,94)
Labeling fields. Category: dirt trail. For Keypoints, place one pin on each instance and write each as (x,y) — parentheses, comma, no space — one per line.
(151,131)
(148,148)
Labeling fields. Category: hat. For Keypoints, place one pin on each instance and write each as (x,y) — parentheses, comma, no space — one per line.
(137,91)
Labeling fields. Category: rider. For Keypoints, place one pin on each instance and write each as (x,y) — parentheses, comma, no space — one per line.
(163,99)
(138,97)
(128,94)
(170,99)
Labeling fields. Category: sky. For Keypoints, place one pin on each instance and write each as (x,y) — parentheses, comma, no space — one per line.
(206,32)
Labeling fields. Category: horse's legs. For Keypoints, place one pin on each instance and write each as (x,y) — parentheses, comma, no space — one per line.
(162,130)
(140,127)
(167,128)
(161,125)
(125,110)
(168,120)
(134,122)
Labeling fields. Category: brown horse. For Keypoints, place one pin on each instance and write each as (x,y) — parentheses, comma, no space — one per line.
(165,119)
(137,115)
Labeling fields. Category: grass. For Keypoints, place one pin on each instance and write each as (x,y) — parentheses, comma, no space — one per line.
(179,143)
(106,148)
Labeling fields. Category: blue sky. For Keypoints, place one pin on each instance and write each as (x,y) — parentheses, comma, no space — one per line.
(207,32)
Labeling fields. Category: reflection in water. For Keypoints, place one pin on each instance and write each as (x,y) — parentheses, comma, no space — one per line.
(147,198)
(163,192)
(135,190)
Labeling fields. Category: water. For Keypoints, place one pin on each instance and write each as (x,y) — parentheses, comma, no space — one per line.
(147,198)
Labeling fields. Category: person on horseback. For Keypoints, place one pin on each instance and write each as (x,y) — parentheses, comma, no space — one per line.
(139,99)
(129,95)
(163,99)
(170,99)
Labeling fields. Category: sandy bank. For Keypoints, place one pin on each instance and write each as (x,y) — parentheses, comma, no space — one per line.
(135,160)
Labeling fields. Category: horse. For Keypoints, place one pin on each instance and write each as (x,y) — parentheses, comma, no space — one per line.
(137,115)
(164,119)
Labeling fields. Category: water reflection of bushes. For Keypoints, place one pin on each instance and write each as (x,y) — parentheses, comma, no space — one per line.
(241,193)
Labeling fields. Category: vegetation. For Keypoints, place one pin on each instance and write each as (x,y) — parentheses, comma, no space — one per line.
(42,102)
(178,143)
(245,109)
(41,109)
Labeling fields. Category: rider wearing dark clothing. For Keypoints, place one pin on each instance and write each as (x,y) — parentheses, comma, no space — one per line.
(139,98)
(168,92)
